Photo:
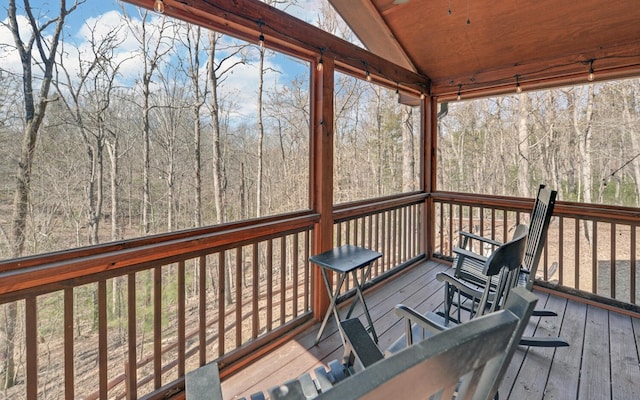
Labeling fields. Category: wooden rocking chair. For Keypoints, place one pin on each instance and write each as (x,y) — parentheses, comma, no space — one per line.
(501,267)
(468,265)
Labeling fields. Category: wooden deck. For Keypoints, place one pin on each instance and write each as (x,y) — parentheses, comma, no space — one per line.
(601,363)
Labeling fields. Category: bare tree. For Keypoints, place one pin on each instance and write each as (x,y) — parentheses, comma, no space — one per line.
(631,101)
(583,130)
(92,87)
(191,40)
(523,145)
(232,56)
(154,45)
(35,107)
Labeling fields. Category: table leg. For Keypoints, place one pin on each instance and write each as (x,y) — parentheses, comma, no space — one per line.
(365,276)
(360,295)
(332,305)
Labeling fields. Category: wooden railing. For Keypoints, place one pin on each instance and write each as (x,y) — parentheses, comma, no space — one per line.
(128,319)
(393,226)
(590,248)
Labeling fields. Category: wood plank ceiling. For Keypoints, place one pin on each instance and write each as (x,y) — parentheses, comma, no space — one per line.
(481,46)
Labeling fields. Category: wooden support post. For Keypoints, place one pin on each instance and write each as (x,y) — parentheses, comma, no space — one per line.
(429,162)
(322,174)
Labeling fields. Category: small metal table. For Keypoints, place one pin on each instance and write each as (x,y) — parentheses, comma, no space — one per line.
(344,260)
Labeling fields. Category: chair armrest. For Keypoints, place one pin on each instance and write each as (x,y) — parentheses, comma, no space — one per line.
(468,235)
(360,351)
(412,315)
(464,253)
(459,285)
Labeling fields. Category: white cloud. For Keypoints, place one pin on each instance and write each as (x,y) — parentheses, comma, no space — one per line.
(9,57)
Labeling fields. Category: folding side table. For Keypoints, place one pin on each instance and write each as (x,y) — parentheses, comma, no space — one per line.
(344,260)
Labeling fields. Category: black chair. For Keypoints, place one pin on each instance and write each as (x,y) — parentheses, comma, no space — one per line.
(468,265)
(501,267)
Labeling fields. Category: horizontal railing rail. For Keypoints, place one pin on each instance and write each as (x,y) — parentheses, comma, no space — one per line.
(592,249)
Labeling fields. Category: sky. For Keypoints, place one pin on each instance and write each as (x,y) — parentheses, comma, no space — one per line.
(104,16)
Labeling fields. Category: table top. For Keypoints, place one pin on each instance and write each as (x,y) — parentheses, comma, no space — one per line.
(345,258)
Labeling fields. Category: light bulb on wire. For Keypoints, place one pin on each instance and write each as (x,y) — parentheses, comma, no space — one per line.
(459,97)
(518,87)
(590,77)
(368,76)
(320,64)
(158,6)
(261,41)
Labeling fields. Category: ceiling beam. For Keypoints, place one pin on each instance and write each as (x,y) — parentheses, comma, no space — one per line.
(611,63)
(367,24)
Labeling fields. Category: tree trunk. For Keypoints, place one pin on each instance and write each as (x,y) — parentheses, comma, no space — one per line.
(259,173)
(523,145)
(34,111)
(584,137)
(408,161)
(215,128)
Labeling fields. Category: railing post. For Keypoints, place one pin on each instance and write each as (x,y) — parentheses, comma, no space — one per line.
(322,173)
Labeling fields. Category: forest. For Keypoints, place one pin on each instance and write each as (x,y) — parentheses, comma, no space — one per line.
(143,127)
(136,124)
(178,144)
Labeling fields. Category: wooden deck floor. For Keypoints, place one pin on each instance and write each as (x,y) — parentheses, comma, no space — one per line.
(601,363)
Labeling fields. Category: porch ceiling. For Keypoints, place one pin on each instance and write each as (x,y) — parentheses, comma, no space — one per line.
(544,42)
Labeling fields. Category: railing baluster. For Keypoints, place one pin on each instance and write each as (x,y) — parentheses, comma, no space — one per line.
(221,302)
(238,298)
(505,214)
(481,219)
(576,254)
(594,257)
(561,251)
(31,330)
(102,338)
(202,310)
(295,273)
(132,360)
(632,262)
(255,315)
(450,244)
(370,232)
(612,269)
(269,285)
(308,288)
(69,374)
(283,278)
(384,240)
(181,318)
(157,327)
(493,223)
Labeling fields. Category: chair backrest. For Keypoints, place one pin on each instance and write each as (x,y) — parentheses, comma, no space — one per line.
(538,227)
(469,359)
(509,255)
(505,262)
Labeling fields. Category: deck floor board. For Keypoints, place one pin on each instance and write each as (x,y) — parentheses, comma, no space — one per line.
(601,363)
